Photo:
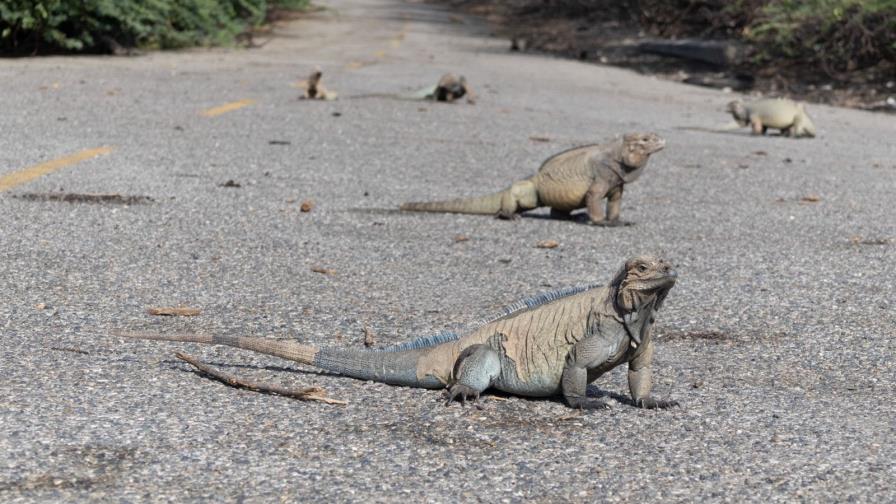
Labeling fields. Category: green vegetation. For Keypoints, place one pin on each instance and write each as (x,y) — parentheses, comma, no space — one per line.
(837,36)
(45,26)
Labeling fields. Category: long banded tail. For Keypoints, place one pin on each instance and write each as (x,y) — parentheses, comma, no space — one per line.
(394,367)
(489,205)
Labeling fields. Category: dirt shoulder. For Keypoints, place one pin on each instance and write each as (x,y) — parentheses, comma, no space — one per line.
(605,37)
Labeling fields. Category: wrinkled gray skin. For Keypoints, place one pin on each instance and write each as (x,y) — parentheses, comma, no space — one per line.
(616,330)
(553,344)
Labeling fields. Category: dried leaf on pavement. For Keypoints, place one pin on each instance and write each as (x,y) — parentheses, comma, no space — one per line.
(369,337)
(179,311)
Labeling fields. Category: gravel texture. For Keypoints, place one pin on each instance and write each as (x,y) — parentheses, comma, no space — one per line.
(778,340)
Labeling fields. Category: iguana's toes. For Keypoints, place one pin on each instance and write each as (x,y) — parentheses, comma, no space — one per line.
(651,403)
(586,403)
(461,392)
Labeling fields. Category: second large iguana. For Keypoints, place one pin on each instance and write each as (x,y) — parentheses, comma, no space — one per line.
(780,113)
(554,343)
(573,179)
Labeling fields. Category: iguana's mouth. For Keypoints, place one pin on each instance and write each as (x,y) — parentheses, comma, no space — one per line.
(664,282)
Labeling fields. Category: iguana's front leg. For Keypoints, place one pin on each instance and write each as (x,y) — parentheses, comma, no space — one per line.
(614,204)
(594,199)
(757,126)
(574,382)
(640,380)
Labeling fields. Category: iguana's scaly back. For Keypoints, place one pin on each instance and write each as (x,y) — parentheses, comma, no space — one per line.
(536,338)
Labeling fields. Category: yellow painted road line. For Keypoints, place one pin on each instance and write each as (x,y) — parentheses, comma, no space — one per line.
(32,172)
(227,107)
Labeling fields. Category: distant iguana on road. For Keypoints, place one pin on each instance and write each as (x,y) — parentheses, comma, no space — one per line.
(786,115)
(573,179)
(314,90)
(554,343)
(448,89)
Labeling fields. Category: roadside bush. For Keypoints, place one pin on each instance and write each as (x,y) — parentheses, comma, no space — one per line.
(839,36)
(41,26)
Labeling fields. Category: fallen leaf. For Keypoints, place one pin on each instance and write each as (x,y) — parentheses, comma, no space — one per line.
(279,142)
(540,138)
(547,244)
(307,206)
(811,198)
(324,271)
(461,238)
(369,337)
(174,311)
(858,240)
(230,183)
(40,306)
(760,153)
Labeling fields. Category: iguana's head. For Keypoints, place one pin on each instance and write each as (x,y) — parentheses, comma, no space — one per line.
(739,111)
(637,147)
(643,280)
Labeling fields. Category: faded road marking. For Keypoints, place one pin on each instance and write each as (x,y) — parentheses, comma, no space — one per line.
(32,172)
(227,107)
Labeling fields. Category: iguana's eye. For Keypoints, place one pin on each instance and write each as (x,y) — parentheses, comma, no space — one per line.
(642,268)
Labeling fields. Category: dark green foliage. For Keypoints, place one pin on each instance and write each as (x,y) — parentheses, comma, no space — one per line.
(41,26)
(837,36)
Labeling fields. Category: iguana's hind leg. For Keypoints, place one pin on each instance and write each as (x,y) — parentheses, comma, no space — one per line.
(519,197)
(476,369)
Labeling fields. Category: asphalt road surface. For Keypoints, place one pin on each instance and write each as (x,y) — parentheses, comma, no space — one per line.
(778,339)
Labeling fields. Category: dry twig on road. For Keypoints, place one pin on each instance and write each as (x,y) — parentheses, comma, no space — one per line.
(304,394)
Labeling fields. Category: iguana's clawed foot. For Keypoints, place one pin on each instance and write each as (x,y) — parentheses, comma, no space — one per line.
(611,223)
(461,392)
(586,403)
(651,403)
